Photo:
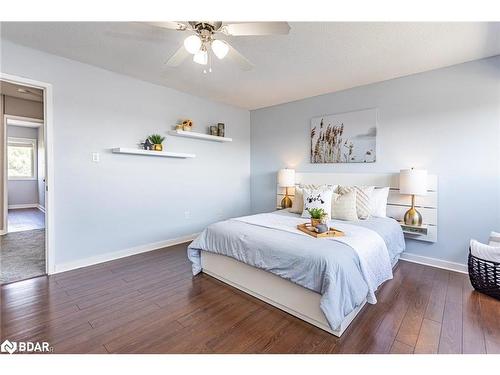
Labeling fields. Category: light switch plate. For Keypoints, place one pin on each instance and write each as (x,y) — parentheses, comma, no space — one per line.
(95,157)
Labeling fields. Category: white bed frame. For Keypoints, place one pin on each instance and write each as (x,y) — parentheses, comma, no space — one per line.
(285,295)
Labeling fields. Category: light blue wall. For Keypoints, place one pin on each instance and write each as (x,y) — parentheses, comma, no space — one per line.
(126,201)
(447,121)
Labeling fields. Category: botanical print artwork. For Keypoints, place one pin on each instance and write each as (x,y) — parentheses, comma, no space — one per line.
(344,138)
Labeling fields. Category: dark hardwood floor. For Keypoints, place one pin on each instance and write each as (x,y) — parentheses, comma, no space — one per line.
(150,303)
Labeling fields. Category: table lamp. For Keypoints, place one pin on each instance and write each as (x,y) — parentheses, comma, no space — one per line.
(286,179)
(413,182)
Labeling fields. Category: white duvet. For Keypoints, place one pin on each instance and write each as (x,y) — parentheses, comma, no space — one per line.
(370,247)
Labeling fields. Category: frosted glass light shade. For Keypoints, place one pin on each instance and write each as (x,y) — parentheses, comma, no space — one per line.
(201,57)
(192,44)
(413,181)
(220,48)
(286,177)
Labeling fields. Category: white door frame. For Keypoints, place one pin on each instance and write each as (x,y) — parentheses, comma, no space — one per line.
(49,163)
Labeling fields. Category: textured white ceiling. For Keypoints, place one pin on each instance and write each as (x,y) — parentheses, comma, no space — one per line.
(315,58)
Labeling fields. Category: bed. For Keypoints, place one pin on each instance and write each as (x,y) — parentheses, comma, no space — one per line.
(325,282)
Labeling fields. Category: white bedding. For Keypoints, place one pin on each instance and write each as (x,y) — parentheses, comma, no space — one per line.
(370,247)
(329,267)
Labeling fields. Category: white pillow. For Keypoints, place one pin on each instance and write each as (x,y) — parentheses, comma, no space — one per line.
(320,197)
(494,239)
(344,206)
(298,199)
(363,196)
(379,202)
(486,252)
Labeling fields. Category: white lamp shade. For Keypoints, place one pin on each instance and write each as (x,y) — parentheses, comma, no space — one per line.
(220,48)
(192,44)
(201,57)
(413,181)
(286,177)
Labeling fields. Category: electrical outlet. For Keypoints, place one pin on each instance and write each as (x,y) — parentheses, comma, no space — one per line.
(95,157)
(187,215)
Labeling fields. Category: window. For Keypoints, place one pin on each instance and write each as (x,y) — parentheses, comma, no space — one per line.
(21,156)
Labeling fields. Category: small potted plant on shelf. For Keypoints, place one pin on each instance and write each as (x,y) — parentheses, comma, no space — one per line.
(318,216)
(157,141)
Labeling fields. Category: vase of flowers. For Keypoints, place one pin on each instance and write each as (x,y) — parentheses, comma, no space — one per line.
(157,141)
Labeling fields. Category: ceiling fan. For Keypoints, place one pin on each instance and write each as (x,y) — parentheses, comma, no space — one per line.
(203,38)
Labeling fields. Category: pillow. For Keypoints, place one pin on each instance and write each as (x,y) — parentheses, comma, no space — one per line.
(379,202)
(363,198)
(486,252)
(494,239)
(320,197)
(344,206)
(298,200)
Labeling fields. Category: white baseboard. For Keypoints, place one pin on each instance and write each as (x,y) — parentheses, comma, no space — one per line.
(68,266)
(434,262)
(20,206)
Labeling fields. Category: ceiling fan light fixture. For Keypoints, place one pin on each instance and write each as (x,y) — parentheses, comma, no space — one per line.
(220,48)
(192,44)
(201,57)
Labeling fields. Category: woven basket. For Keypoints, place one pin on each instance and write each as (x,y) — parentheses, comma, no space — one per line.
(484,276)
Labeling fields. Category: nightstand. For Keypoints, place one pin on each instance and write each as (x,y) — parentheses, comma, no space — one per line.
(418,232)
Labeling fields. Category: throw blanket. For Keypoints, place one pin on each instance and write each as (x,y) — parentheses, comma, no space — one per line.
(369,245)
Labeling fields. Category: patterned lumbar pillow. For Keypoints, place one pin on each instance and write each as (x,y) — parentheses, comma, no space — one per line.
(344,206)
(320,197)
(363,198)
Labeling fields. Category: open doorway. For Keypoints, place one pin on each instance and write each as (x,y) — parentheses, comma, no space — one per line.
(23,243)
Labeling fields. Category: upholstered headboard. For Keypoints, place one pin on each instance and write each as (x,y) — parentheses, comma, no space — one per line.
(397,204)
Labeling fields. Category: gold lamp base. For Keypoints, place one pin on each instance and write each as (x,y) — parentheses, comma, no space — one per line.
(286,202)
(412,216)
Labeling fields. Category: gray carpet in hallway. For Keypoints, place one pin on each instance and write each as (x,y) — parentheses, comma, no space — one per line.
(22,255)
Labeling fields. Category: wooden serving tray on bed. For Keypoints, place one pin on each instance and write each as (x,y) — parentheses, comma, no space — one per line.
(309,229)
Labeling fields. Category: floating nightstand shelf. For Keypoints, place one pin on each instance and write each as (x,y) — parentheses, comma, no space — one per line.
(422,232)
(414,229)
(165,154)
(206,137)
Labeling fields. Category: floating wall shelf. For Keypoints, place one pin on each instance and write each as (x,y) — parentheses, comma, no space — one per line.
(207,137)
(165,154)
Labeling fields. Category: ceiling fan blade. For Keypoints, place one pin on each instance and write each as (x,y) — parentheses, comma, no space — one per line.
(256,28)
(171,25)
(178,57)
(239,59)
